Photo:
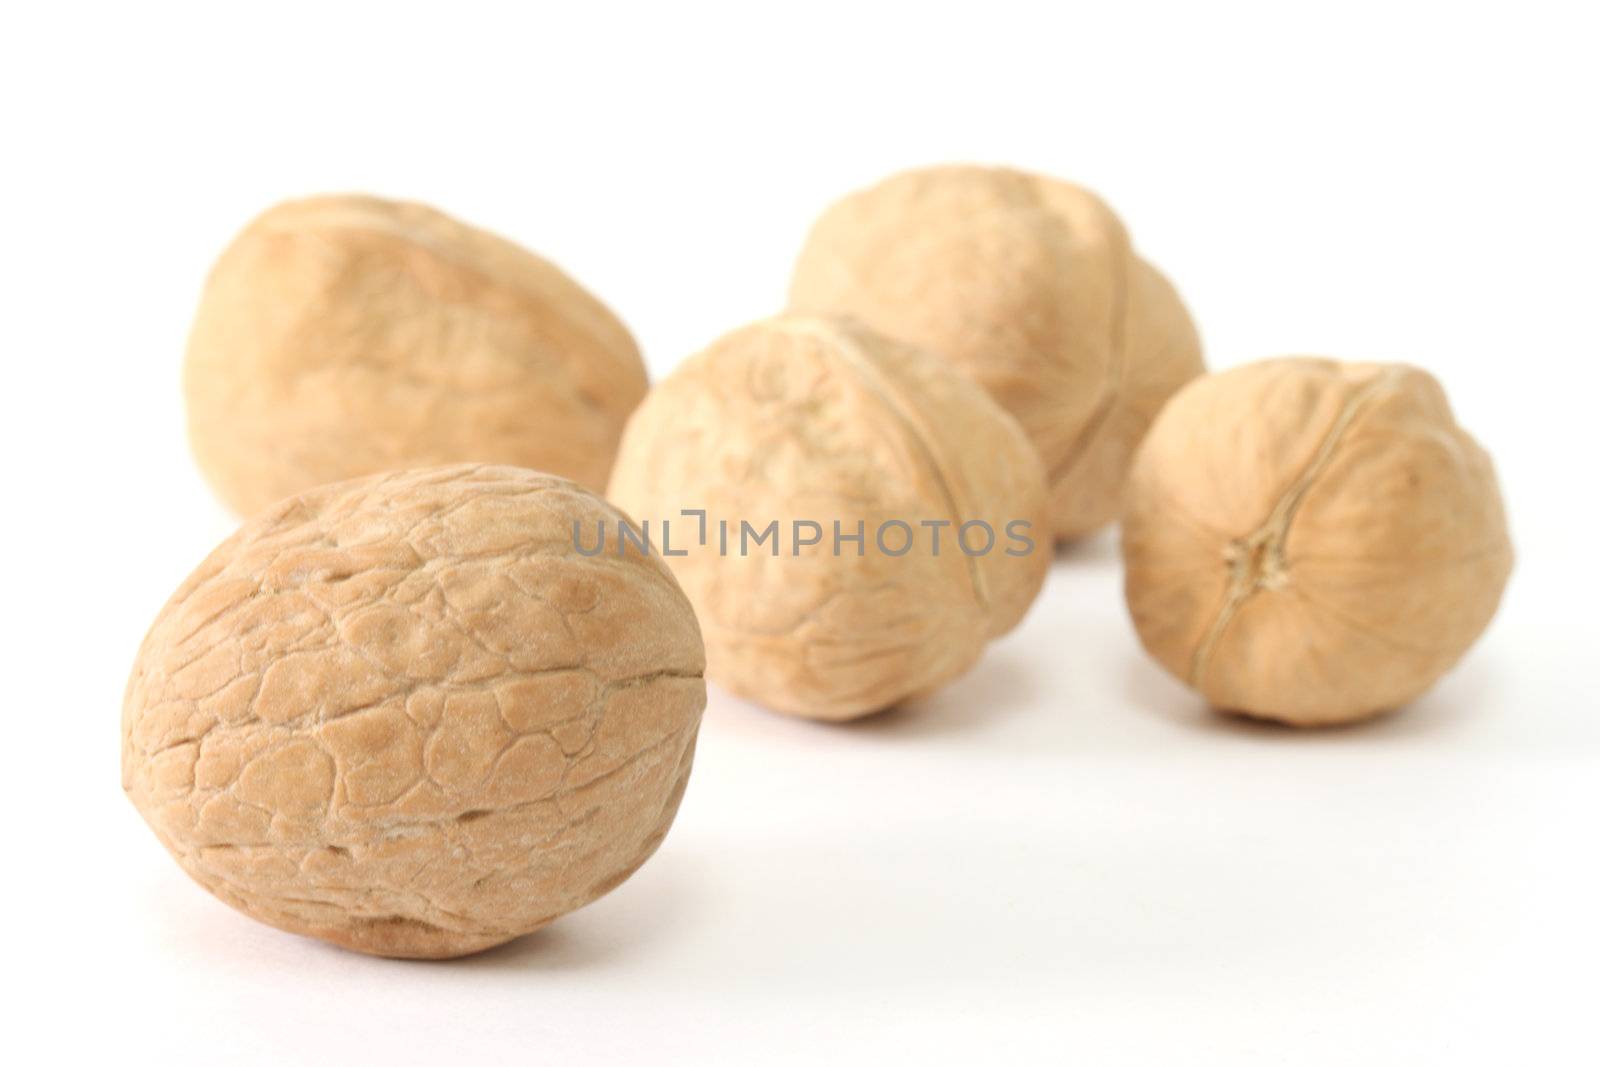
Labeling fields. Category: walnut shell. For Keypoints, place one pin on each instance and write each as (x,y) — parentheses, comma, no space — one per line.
(345,335)
(1029,285)
(1311,541)
(402,715)
(800,419)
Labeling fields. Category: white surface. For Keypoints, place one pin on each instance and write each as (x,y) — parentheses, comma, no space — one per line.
(1061,858)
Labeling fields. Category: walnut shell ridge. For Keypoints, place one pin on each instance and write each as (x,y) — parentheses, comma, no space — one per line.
(345,335)
(1032,287)
(802,419)
(401,714)
(1311,541)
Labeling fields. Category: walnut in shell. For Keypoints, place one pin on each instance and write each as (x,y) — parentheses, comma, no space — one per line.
(880,466)
(1310,541)
(402,715)
(345,335)
(1031,286)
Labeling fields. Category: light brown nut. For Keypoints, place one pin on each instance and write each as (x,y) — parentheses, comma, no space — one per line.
(1029,285)
(801,420)
(345,335)
(1311,541)
(402,715)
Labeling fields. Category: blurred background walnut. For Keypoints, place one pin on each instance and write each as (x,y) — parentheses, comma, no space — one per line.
(1031,286)
(832,431)
(344,335)
(402,715)
(1312,541)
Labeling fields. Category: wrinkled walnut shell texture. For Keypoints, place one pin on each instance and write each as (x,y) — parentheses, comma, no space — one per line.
(1031,286)
(344,335)
(799,418)
(402,715)
(1311,541)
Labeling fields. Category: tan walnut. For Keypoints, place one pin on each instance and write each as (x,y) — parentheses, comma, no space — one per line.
(875,469)
(1031,286)
(402,715)
(1311,541)
(345,335)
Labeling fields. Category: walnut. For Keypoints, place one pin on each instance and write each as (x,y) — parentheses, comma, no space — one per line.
(346,335)
(1029,285)
(874,471)
(1311,541)
(402,715)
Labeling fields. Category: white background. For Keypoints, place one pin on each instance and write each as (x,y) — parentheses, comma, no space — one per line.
(1062,857)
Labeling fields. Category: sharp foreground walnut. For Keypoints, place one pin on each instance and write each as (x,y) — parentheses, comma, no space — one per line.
(1031,286)
(828,429)
(403,715)
(1311,541)
(346,335)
